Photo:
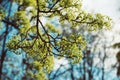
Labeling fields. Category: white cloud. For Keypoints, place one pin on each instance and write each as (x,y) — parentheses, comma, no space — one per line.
(107,7)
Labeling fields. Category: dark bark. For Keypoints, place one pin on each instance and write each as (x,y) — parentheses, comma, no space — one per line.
(3,52)
(72,72)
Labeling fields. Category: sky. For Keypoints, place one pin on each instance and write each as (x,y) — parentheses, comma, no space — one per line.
(107,7)
(112,9)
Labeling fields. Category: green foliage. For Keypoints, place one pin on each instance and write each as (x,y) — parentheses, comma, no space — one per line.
(22,19)
(1,16)
(2,13)
(51,28)
(26,3)
(35,39)
(72,47)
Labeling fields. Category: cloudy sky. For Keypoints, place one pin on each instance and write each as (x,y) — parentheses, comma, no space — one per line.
(108,7)
(112,9)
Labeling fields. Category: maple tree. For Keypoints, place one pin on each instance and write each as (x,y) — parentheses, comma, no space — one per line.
(44,40)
